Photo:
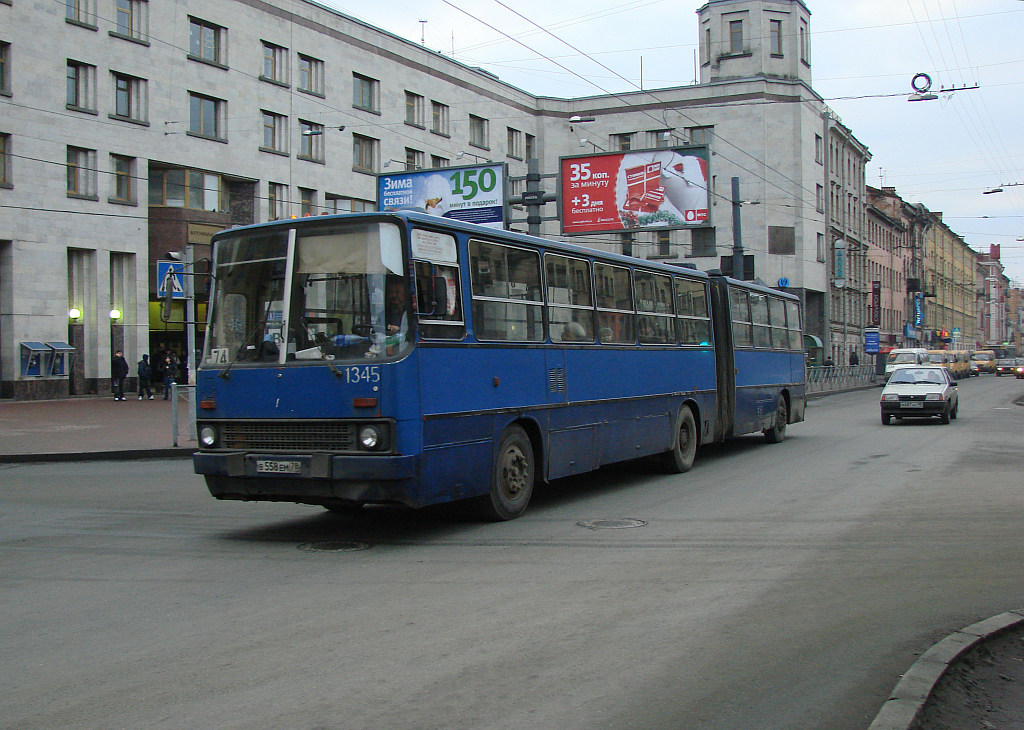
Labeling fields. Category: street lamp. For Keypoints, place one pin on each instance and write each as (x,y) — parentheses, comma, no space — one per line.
(478,158)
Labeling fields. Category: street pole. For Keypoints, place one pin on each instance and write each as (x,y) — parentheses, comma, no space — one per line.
(737,237)
(190,311)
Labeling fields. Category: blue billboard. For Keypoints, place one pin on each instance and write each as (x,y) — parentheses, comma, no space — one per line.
(475,194)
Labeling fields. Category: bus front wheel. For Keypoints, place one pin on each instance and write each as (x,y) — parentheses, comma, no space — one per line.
(777,432)
(679,458)
(512,477)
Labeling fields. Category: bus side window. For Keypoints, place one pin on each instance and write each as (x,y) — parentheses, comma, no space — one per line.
(438,301)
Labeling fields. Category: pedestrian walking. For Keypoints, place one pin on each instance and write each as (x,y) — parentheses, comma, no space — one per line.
(118,372)
(828,362)
(854,360)
(145,375)
(170,373)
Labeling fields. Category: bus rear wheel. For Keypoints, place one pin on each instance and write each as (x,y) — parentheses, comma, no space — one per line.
(512,477)
(679,459)
(777,432)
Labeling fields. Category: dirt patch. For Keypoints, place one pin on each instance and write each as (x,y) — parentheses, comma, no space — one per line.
(983,689)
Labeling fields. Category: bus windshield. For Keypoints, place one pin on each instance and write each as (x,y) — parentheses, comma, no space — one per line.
(336,293)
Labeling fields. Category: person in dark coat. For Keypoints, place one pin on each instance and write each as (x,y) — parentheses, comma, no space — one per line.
(170,373)
(118,372)
(145,374)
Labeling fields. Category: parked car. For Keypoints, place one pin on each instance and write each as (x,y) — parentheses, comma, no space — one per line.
(1020,368)
(919,391)
(1006,366)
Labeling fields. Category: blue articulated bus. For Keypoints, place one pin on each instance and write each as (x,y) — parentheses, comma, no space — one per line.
(405,358)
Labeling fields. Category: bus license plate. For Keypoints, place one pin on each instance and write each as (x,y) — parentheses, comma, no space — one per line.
(911,405)
(268,466)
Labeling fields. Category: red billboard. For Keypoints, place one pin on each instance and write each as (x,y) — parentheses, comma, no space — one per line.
(636,190)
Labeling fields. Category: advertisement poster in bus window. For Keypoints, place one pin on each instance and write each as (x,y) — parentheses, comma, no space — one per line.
(636,190)
(475,194)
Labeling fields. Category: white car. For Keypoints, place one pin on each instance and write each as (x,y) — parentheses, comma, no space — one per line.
(919,391)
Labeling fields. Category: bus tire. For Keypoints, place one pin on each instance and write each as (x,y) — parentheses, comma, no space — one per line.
(679,459)
(512,477)
(777,432)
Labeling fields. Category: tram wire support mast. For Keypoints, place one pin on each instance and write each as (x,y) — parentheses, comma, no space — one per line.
(533,197)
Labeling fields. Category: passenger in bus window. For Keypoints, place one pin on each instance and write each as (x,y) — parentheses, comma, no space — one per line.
(396,308)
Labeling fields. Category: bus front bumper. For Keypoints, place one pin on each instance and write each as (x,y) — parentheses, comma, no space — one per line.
(307,478)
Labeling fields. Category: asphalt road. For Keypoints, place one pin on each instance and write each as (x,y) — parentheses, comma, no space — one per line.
(774,586)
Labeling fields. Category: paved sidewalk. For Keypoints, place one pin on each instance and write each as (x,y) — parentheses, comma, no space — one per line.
(92,427)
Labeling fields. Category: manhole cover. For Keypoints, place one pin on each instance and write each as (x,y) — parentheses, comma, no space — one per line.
(611,524)
(334,546)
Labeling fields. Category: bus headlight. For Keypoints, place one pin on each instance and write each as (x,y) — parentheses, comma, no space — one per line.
(208,436)
(369,437)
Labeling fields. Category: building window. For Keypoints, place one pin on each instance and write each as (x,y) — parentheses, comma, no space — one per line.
(5,68)
(123,174)
(277,201)
(821,247)
(702,242)
(700,135)
(275,64)
(805,51)
(311,75)
(81,87)
(414,106)
(622,142)
(660,138)
(81,170)
(129,98)
(311,138)
(735,37)
(365,93)
(819,149)
(413,159)
(307,202)
(819,198)
(184,188)
(6,170)
(530,149)
(341,204)
(515,143)
(439,118)
(437,161)
(80,11)
(206,41)
(626,241)
(478,136)
(663,243)
(275,133)
(775,37)
(782,240)
(130,19)
(706,56)
(205,115)
(364,153)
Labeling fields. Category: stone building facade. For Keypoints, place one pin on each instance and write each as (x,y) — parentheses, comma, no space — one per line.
(138,129)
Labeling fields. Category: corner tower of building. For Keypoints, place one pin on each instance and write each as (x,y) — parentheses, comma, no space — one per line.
(742,39)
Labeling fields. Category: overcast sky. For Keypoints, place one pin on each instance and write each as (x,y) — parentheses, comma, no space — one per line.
(943,153)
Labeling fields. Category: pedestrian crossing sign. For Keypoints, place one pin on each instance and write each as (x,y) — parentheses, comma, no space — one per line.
(170,273)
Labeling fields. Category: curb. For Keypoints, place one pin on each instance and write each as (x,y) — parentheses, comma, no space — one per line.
(911,693)
(120,455)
